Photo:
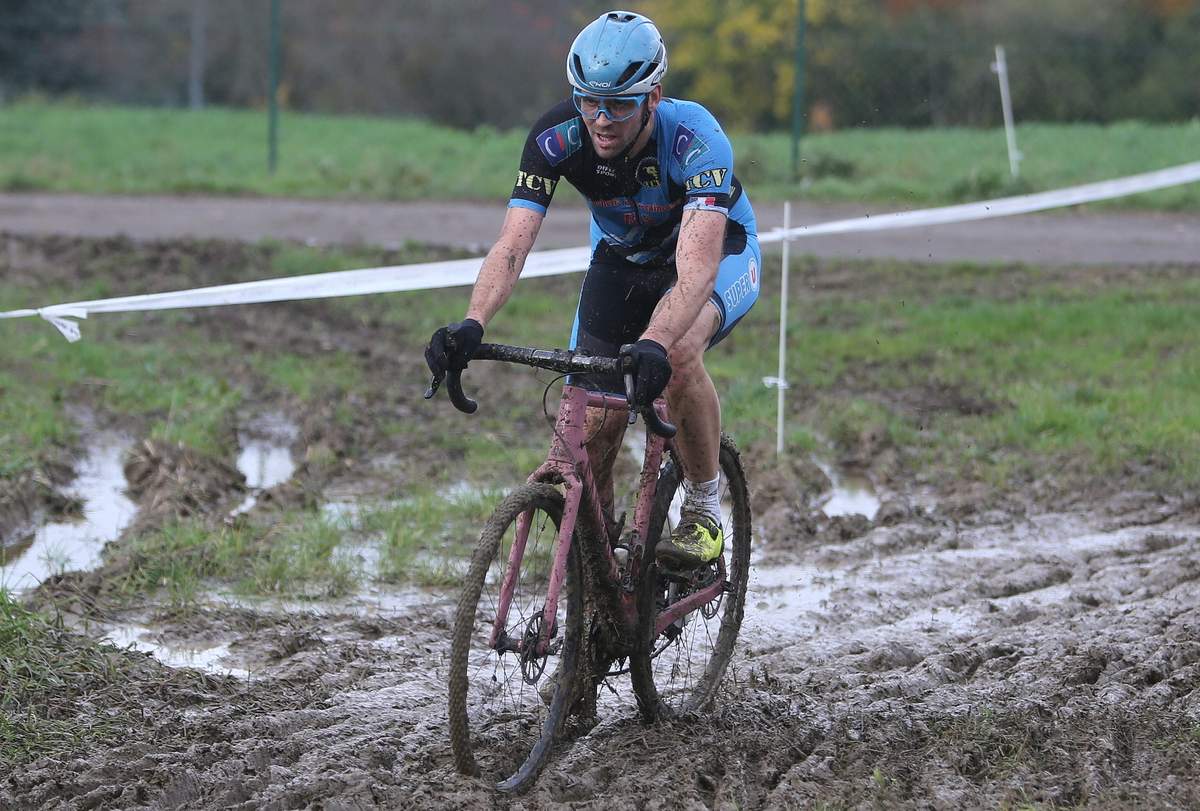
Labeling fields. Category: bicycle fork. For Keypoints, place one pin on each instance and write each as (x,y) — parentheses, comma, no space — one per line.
(499,640)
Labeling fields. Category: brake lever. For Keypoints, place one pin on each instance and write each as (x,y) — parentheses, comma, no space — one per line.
(434,384)
(629,397)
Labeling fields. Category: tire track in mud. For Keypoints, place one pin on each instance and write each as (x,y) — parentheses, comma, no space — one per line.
(1024,696)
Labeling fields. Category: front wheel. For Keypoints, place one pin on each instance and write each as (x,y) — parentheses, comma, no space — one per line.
(679,670)
(507,705)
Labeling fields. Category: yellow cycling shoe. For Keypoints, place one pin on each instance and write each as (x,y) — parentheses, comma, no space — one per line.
(697,541)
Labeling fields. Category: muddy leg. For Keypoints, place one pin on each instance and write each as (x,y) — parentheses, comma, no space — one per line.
(605,430)
(692,400)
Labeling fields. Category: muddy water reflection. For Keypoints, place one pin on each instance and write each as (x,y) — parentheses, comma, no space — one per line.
(74,546)
(265,464)
(852,494)
(265,458)
(789,599)
(210,659)
(371,601)
(226,649)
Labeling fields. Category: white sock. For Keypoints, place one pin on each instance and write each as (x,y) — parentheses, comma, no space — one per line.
(703,497)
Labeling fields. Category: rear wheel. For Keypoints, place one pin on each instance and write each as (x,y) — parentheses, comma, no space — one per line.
(507,707)
(680,669)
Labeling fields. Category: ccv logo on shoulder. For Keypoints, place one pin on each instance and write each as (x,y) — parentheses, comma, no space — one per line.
(560,141)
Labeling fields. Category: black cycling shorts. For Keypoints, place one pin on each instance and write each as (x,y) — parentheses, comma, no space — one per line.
(618,298)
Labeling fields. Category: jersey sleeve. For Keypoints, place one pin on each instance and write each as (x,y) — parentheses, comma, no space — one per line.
(702,161)
(555,137)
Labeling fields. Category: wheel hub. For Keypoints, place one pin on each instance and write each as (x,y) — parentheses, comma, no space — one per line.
(533,664)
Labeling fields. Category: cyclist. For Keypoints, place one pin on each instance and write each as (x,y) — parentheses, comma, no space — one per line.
(675,253)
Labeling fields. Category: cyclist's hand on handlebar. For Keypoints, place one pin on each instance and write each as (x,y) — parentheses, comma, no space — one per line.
(451,346)
(651,370)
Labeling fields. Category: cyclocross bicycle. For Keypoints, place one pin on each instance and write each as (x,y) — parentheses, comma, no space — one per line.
(560,599)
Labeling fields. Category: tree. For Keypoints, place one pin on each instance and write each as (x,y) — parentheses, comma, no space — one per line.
(908,63)
(33,36)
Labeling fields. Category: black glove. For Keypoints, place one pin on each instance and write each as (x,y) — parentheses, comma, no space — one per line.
(452,346)
(651,370)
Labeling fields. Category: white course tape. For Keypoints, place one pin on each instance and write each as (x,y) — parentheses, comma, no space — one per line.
(1003,207)
(569,260)
(391,279)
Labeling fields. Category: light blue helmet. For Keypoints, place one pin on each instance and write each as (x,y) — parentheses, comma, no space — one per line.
(618,54)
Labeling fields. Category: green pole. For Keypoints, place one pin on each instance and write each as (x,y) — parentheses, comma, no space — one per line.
(798,93)
(272,101)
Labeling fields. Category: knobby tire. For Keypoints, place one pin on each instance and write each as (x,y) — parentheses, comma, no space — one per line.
(470,626)
(737,560)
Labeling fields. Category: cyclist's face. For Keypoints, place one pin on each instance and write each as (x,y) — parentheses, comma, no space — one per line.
(610,138)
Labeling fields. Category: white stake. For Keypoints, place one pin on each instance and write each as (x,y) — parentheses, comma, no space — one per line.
(1000,68)
(780,382)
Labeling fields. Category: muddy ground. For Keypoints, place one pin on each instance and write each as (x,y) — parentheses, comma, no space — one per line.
(956,648)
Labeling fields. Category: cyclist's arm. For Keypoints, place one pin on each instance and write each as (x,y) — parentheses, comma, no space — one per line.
(504,263)
(697,256)
(553,139)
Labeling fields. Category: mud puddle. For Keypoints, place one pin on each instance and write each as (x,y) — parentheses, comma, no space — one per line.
(265,457)
(230,635)
(948,585)
(859,659)
(76,545)
(209,658)
(850,494)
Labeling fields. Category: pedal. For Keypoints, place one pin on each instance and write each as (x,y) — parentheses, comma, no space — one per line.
(694,578)
(683,576)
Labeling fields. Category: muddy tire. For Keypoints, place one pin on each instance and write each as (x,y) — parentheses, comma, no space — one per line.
(505,713)
(679,675)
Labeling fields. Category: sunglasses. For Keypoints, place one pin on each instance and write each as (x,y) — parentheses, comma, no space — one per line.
(617,108)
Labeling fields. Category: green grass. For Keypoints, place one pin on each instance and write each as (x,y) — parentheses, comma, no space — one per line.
(424,538)
(1038,370)
(300,553)
(932,167)
(427,537)
(50,679)
(295,556)
(308,378)
(82,148)
(42,375)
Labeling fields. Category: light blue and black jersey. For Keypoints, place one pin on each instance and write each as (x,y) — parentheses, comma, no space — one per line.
(637,202)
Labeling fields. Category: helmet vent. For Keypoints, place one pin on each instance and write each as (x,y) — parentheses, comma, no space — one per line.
(579,67)
(629,73)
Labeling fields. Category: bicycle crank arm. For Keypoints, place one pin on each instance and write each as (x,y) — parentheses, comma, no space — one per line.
(507,644)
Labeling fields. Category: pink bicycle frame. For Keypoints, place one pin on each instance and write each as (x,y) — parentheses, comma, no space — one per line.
(567,464)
